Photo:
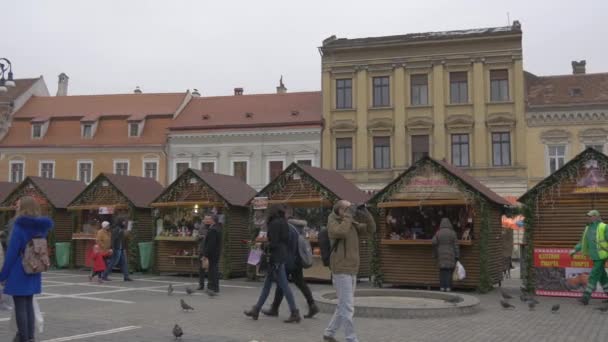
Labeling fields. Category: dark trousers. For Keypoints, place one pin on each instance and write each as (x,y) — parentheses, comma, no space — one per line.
(214,275)
(119,256)
(24,315)
(202,273)
(297,276)
(445,278)
(96,273)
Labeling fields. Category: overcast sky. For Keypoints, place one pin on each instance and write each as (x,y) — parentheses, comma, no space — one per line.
(166,46)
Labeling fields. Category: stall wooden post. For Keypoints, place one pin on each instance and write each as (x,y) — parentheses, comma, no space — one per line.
(196,193)
(315,190)
(414,203)
(555,217)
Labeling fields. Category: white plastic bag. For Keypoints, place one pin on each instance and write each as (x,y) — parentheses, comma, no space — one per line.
(459,272)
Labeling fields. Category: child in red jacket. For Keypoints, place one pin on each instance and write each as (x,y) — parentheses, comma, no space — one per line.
(99,264)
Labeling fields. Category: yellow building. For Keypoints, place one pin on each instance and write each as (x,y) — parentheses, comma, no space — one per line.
(78,137)
(565,114)
(457,95)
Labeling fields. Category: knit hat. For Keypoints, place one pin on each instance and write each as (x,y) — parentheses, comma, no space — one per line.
(105,224)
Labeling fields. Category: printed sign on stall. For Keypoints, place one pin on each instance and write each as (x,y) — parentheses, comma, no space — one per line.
(558,274)
(592,179)
(260,203)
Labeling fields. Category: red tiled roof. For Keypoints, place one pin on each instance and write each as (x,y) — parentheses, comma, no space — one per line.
(101,105)
(21,86)
(140,191)
(547,91)
(267,110)
(5,189)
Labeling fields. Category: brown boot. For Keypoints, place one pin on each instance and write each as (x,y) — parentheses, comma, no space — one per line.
(272,312)
(253,313)
(313,309)
(294,317)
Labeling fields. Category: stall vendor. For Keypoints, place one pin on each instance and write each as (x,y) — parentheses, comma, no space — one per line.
(594,244)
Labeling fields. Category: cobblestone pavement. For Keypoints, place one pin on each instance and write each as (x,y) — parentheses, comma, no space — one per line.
(75,310)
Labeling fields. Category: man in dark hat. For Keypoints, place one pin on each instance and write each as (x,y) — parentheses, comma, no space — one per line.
(594,244)
(212,252)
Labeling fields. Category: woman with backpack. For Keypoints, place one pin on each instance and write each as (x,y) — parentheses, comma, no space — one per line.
(22,279)
(278,239)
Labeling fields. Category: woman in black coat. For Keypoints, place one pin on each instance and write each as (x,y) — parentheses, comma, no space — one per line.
(278,237)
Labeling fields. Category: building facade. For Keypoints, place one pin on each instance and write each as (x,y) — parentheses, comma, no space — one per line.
(565,114)
(456,95)
(78,137)
(254,137)
(16,97)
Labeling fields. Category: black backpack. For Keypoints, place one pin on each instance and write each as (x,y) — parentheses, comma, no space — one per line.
(326,247)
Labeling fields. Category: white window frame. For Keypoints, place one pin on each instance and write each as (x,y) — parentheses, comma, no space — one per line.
(84,161)
(82,130)
(138,129)
(548,157)
(174,166)
(273,159)
(10,170)
(203,160)
(45,162)
(246,160)
(41,130)
(300,157)
(150,160)
(116,161)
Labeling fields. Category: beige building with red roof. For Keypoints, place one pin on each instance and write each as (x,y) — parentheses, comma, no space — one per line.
(253,137)
(565,114)
(12,100)
(78,137)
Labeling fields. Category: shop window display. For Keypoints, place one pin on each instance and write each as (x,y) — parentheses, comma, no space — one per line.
(421,223)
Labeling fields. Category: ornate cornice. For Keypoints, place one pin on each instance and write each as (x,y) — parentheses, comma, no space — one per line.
(315,131)
(555,136)
(566,118)
(501,120)
(343,126)
(460,121)
(419,123)
(380,124)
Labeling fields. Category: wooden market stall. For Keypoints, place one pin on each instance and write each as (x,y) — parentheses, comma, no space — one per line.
(53,195)
(181,207)
(555,218)
(310,192)
(409,212)
(107,197)
(5,215)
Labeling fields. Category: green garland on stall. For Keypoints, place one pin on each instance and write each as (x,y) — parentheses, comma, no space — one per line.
(485,282)
(529,220)
(374,241)
(133,248)
(226,256)
(52,239)
(279,183)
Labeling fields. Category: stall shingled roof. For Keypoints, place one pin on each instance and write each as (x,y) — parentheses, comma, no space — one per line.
(331,180)
(467,179)
(587,154)
(59,192)
(232,189)
(5,189)
(140,191)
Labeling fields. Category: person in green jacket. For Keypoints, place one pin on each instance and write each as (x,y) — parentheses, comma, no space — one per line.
(594,244)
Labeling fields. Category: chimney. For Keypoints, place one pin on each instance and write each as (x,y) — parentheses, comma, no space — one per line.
(281,88)
(62,86)
(578,67)
(238,91)
(195,93)
(137,90)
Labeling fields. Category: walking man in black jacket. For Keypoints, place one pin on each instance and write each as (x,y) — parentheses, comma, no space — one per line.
(212,252)
(119,246)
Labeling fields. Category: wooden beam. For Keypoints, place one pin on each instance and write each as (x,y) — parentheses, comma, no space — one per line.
(97,206)
(418,242)
(399,204)
(201,204)
(302,201)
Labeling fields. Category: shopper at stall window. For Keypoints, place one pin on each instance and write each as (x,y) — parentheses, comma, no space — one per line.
(594,244)
(212,251)
(22,286)
(278,239)
(447,252)
(295,271)
(345,225)
(119,246)
(203,228)
(507,251)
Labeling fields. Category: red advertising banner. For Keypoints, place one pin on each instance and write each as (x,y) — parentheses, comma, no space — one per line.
(558,274)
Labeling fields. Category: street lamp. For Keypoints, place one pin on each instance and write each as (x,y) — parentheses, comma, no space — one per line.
(8,70)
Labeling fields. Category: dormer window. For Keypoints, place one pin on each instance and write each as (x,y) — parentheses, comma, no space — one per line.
(133,129)
(87,131)
(37,131)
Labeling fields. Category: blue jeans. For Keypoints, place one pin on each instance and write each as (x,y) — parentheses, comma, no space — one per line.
(119,256)
(276,273)
(345,285)
(24,315)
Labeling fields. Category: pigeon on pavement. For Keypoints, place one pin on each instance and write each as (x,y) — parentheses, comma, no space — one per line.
(531,304)
(185,306)
(178,332)
(170,290)
(555,308)
(602,309)
(533,300)
(505,295)
(189,291)
(506,305)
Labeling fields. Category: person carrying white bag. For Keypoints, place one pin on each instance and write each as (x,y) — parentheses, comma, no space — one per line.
(447,253)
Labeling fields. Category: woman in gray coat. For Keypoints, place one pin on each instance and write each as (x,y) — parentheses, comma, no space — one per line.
(447,252)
